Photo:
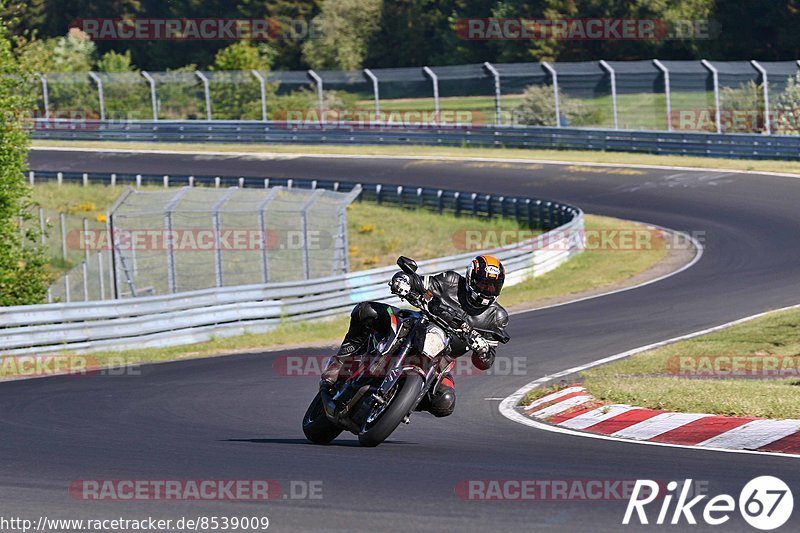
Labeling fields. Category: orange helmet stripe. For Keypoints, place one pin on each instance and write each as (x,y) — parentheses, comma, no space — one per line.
(491,260)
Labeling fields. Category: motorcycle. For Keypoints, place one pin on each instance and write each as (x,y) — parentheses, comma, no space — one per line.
(398,371)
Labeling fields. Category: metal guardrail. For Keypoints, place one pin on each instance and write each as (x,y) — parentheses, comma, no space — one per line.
(189,317)
(730,145)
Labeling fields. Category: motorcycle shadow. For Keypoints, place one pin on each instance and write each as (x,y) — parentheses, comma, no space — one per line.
(347,443)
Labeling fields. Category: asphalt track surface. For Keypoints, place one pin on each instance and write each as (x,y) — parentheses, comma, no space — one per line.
(238,418)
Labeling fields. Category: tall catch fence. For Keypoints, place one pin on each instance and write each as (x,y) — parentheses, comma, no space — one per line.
(704,96)
(195,238)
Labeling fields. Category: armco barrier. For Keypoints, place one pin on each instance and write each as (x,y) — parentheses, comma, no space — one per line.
(189,317)
(733,145)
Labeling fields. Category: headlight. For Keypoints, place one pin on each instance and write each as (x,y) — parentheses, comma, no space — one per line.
(435,341)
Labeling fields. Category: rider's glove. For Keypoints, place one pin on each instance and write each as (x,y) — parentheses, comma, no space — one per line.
(478,344)
(400,284)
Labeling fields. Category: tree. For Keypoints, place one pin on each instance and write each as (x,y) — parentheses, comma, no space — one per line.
(23,279)
(346,27)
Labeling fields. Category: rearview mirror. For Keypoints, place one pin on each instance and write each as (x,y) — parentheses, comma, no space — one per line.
(406,264)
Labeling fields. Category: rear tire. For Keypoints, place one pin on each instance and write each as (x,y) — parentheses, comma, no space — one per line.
(400,406)
(316,426)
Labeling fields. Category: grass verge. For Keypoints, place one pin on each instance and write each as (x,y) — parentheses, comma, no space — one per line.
(750,369)
(593,269)
(617,158)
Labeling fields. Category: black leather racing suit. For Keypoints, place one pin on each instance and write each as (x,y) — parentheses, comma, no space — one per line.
(375,317)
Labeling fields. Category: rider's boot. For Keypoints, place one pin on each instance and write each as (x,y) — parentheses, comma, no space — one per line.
(349,348)
(362,321)
(442,401)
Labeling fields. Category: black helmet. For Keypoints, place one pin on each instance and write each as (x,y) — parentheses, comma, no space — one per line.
(485,277)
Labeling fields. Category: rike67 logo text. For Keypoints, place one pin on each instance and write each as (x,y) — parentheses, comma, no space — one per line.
(765,503)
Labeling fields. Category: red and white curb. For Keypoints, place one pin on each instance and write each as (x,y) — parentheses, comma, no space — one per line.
(573,408)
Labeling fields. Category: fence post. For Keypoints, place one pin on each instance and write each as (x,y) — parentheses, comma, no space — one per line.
(99,84)
(304,230)
(66,288)
(206,91)
(613,75)
(554,75)
(45,95)
(435,81)
(85,240)
(85,282)
(715,77)
(667,92)
(320,96)
(171,277)
(763,71)
(263,87)
(153,98)
(42,236)
(496,75)
(375,92)
(100,275)
(63,221)
(215,223)
(262,223)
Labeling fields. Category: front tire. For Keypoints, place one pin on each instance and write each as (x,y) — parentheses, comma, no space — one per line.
(379,430)
(316,426)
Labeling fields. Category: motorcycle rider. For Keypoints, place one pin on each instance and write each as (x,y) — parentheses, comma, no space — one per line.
(472,297)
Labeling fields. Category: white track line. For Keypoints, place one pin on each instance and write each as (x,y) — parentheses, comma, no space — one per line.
(508,406)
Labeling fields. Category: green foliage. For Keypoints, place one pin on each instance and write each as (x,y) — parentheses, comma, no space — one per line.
(114,62)
(538,108)
(75,52)
(23,279)
(346,27)
(787,108)
(244,56)
(742,108)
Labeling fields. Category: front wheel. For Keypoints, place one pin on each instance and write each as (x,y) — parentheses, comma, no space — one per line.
(379,426)
(316,426)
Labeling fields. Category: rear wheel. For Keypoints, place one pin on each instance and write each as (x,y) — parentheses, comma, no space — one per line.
(316,426)
(381,423)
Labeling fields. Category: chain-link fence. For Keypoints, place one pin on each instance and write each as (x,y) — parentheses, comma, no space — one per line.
(195,238)
(711,96)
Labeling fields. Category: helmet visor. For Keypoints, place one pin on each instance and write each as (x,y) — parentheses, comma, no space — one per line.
(489,288)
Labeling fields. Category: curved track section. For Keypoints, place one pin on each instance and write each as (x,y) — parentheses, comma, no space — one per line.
(238,417)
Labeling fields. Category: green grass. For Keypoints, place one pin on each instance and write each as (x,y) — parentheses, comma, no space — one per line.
(577,156)
(591,269)
(651,379)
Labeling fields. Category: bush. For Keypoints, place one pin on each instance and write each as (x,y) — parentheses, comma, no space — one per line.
(787,108)
(741,108)
(538,108)
(23,279)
